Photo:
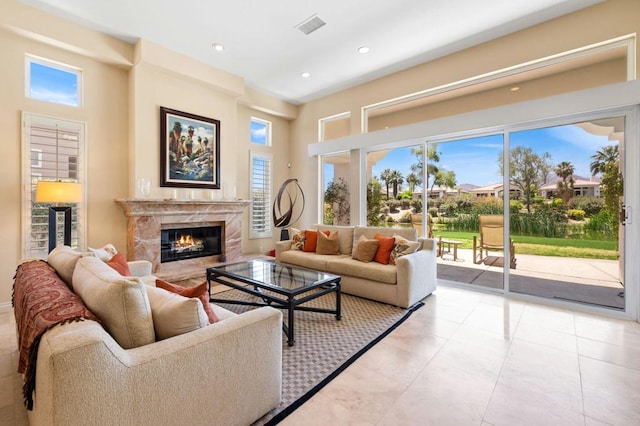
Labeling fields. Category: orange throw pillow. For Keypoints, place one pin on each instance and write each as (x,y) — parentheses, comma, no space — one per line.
(311,239)
(385,247)
(119,263)
(199,291)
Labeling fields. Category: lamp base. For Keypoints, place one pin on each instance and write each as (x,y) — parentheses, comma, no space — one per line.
(284,234)
(53,226)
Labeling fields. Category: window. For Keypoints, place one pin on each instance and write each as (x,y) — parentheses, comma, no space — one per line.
(52,82)
(261,177)
(53,149)
(260,132)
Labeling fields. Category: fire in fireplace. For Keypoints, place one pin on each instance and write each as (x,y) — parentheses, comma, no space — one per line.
(188,242)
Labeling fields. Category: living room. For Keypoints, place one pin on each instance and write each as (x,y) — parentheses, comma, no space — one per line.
(126,84)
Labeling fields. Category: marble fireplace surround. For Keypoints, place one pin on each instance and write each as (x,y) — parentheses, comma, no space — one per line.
(146,217)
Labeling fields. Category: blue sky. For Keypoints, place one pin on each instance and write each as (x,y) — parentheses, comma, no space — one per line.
(258,132)
(53,84)
(475,160)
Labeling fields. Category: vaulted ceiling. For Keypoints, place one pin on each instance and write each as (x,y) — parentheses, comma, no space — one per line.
(264,43)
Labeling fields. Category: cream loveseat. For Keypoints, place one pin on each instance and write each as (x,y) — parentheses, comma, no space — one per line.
(411,279)
(225,373)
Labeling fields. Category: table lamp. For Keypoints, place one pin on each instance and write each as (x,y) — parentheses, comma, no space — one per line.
(58,192)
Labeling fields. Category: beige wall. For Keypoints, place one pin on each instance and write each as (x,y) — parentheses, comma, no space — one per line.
(124,87)
(605,21)
(280,136)
(105,110)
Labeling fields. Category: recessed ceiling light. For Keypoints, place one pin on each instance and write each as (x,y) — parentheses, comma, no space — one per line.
(305,75)
(515,88)
(363,49)
(218,47)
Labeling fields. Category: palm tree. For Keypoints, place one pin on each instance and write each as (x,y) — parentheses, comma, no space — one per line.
(607,155)
(385,176)
(396,180)
(412,181)
(565,171)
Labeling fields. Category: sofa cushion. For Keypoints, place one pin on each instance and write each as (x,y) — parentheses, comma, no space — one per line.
(328,244)
(346,236)
(385,246)
(402,247)
(174,314)
(119,263)
(371,271)
(199,291)
(311,239)
(297,239)
(370,232)
(365,249)
(120,302)
(308,260)
(63,259)
(104,253)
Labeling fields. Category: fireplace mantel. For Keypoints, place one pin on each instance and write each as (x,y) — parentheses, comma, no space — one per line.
(146,216)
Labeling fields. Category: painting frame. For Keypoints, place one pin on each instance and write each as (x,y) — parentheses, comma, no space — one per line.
(190,158)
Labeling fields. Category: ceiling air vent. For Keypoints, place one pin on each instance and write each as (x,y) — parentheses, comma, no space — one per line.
(310,25)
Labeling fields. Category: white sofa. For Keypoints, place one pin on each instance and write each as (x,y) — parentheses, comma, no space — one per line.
(226,373)
(410,280)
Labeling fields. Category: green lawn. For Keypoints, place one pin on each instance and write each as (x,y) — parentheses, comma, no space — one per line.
(562,247)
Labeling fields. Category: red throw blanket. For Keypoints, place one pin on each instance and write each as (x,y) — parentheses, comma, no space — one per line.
(41,300)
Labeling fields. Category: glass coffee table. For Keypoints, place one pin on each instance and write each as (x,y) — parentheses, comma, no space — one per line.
(280,286)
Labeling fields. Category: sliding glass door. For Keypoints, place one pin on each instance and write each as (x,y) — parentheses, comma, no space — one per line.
(566,226)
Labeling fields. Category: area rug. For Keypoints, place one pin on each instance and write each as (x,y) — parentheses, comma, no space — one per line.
(324,346)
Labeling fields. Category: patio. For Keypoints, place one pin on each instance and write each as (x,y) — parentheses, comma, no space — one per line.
(592,281)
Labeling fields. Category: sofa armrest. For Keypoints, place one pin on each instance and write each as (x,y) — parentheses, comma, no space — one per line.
(417,274)
(282,246)
(84,374)
(139,268)
(428,244)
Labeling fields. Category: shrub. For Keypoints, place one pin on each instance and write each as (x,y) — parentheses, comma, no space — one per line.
(576,214)
(543,221)
(590,205)
(405,203)
(433,211)
(417,205)
(515,205)
(394,206)
(557,202)
(450,208)
(602,225)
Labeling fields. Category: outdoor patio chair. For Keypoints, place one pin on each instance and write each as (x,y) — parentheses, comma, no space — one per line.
(416,222)
(491,239)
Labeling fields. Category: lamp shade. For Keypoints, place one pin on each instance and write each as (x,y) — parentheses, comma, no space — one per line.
(58,192)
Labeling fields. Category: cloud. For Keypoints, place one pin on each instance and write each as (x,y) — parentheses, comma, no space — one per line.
(56,96)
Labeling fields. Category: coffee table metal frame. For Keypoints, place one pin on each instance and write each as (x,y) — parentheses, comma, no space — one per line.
(290,299)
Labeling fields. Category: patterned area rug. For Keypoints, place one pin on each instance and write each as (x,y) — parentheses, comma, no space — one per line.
(324,346)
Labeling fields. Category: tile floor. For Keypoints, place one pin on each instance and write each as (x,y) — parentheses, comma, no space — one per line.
(466,358)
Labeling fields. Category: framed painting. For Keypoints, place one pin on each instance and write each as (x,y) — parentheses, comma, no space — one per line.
(189,150)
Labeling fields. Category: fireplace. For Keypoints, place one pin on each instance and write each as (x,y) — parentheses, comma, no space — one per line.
(180,242)
(147,218)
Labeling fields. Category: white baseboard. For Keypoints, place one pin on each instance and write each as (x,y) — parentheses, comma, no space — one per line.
(6,307)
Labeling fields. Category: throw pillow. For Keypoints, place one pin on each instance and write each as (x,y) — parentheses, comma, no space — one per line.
(199,291)
(311,239)
(385,247)
(402,248)
(119,263)
(120,302)
(365,249)
(328,244)
(297,239)
(105,253)
(63,259)
(174,314)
